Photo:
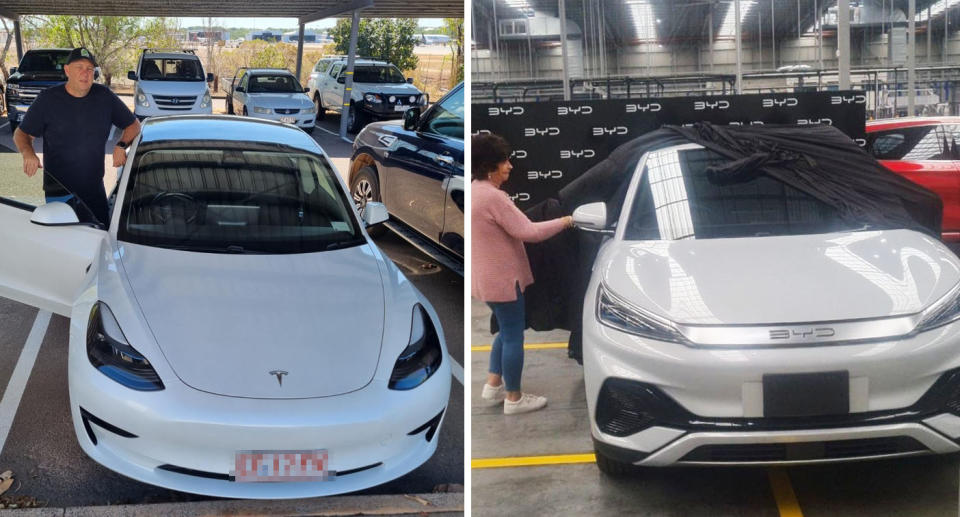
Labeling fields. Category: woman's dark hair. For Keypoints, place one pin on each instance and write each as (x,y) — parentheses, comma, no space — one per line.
(488,151)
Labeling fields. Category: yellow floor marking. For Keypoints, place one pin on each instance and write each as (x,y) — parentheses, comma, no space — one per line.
(531,461)
(783,493)
(528,346)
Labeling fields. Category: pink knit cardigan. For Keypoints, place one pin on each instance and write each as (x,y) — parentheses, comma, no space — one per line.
(498,230)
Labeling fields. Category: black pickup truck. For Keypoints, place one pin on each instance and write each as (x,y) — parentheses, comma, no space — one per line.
(39,69)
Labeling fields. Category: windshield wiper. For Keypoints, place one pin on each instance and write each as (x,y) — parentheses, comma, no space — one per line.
(345,244)
(232,249)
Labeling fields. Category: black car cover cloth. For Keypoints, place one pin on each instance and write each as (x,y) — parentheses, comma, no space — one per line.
(819,160)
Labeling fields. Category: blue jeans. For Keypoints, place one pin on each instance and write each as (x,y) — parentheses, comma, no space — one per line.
(506,357)
(62,199)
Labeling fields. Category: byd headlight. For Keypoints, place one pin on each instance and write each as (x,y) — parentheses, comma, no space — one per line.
(943,311)
(421,358)
(109,352)
(617,313)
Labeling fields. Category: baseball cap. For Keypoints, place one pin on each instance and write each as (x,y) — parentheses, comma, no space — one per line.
(81,53)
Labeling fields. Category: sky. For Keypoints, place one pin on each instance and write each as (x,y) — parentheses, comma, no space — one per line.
(282,23)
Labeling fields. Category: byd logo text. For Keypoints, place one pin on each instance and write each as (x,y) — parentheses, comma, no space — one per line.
(851,99)
(519,154)
(817,333)
(512,110)
(653,107)
(535,131)
(779,103)
(806,121)
(707,105)
(586,153)
(544,175)
(601,131)
(575,110)
(520,196)
(481,132)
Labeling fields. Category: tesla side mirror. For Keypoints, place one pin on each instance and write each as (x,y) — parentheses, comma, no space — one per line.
(132,75)
(409,80)
(13,70)
(54,214)
(374,213)
(411,118)
(342,79)
(592,217)
(209,77)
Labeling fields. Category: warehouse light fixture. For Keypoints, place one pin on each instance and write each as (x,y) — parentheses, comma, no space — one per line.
(641,15)
(727,28)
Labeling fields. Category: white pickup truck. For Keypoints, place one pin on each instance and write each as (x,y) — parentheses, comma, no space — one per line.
(379,91)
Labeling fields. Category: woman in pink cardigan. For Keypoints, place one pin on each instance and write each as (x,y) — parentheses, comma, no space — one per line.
(500,270)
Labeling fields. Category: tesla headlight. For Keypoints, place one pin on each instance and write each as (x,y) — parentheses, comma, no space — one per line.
(372,98)
(617,313)
(205,101)
(943,311)
(142,99)
(421,358)
(109,352)
(258,109)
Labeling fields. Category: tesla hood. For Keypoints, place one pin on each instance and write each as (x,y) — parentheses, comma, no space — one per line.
(804,278)
(230,324)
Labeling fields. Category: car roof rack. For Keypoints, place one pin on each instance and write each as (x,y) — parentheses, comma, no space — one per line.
(170,50)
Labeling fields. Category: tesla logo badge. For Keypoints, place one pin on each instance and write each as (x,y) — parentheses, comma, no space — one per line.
(652,107)
(817,333)
(513,110)
(279,374)
(576,110)
(703,105)
(534,131)
(601,131)
(771,103)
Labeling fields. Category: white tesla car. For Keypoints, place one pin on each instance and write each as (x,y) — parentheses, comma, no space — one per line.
(749,324)
(233,330)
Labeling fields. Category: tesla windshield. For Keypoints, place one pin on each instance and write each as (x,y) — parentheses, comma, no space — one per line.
(229,197)
(677,199)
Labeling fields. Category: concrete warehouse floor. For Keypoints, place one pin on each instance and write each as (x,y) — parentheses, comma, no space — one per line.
(561,478)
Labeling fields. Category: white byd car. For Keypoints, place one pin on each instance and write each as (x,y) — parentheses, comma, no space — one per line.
(233,330)
(749,324)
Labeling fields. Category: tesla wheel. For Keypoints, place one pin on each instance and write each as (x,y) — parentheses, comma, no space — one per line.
(614,468)
(364,189)
(355,120)
(321,111)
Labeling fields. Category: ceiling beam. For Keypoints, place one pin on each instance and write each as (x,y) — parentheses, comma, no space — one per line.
(335,10)
(7,14)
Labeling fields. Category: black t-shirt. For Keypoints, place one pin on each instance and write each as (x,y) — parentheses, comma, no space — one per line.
(74,132)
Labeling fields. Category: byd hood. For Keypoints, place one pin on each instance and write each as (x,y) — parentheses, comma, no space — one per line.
(805,278)
(225,322)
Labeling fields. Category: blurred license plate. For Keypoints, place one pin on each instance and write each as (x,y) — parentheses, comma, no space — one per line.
(267,466)
(400,107)
(288,120)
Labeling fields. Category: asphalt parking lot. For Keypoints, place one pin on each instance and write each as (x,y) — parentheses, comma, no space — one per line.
(42,451)
(542,463)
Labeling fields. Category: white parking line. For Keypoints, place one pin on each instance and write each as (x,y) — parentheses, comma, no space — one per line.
(21,373)
(456,370)
(325,130)
(5,124)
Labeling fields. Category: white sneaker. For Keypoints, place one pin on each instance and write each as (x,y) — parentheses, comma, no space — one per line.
(492,395)
(526,404)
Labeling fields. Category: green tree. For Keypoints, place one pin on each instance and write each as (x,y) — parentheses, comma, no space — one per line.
(453,27)
(389,39)
(114,40)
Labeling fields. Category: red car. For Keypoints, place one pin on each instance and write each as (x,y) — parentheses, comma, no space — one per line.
(925,151)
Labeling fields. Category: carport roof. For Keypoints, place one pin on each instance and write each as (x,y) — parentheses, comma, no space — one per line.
(304,10)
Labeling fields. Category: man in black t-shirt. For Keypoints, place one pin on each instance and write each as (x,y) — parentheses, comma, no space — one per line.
(74,120)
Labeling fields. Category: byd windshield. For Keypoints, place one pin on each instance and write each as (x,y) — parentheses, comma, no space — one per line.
(677,199)
(250,199)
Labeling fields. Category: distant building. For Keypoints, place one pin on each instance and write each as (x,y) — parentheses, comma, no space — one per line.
(308,37)
(265,36)
(434,39)
(201,35)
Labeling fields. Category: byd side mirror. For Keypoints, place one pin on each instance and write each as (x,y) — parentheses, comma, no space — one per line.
(54,214)
(411,118)
(592,217)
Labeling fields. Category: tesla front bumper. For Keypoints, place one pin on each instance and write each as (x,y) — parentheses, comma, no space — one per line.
(185,439)
(656,403)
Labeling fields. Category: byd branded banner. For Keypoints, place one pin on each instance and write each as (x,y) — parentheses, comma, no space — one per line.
(555,142)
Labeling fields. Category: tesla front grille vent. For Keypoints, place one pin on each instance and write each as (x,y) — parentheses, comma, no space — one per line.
(430,426)
(804,451)
(87,418)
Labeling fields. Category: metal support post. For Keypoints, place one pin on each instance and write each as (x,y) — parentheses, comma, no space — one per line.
(843,42)
(563,50)
(19,40)
(348,85)
(300,51)
(911,57)
(736,14)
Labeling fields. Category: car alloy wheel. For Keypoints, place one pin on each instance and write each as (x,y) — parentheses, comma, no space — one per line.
(363,193)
